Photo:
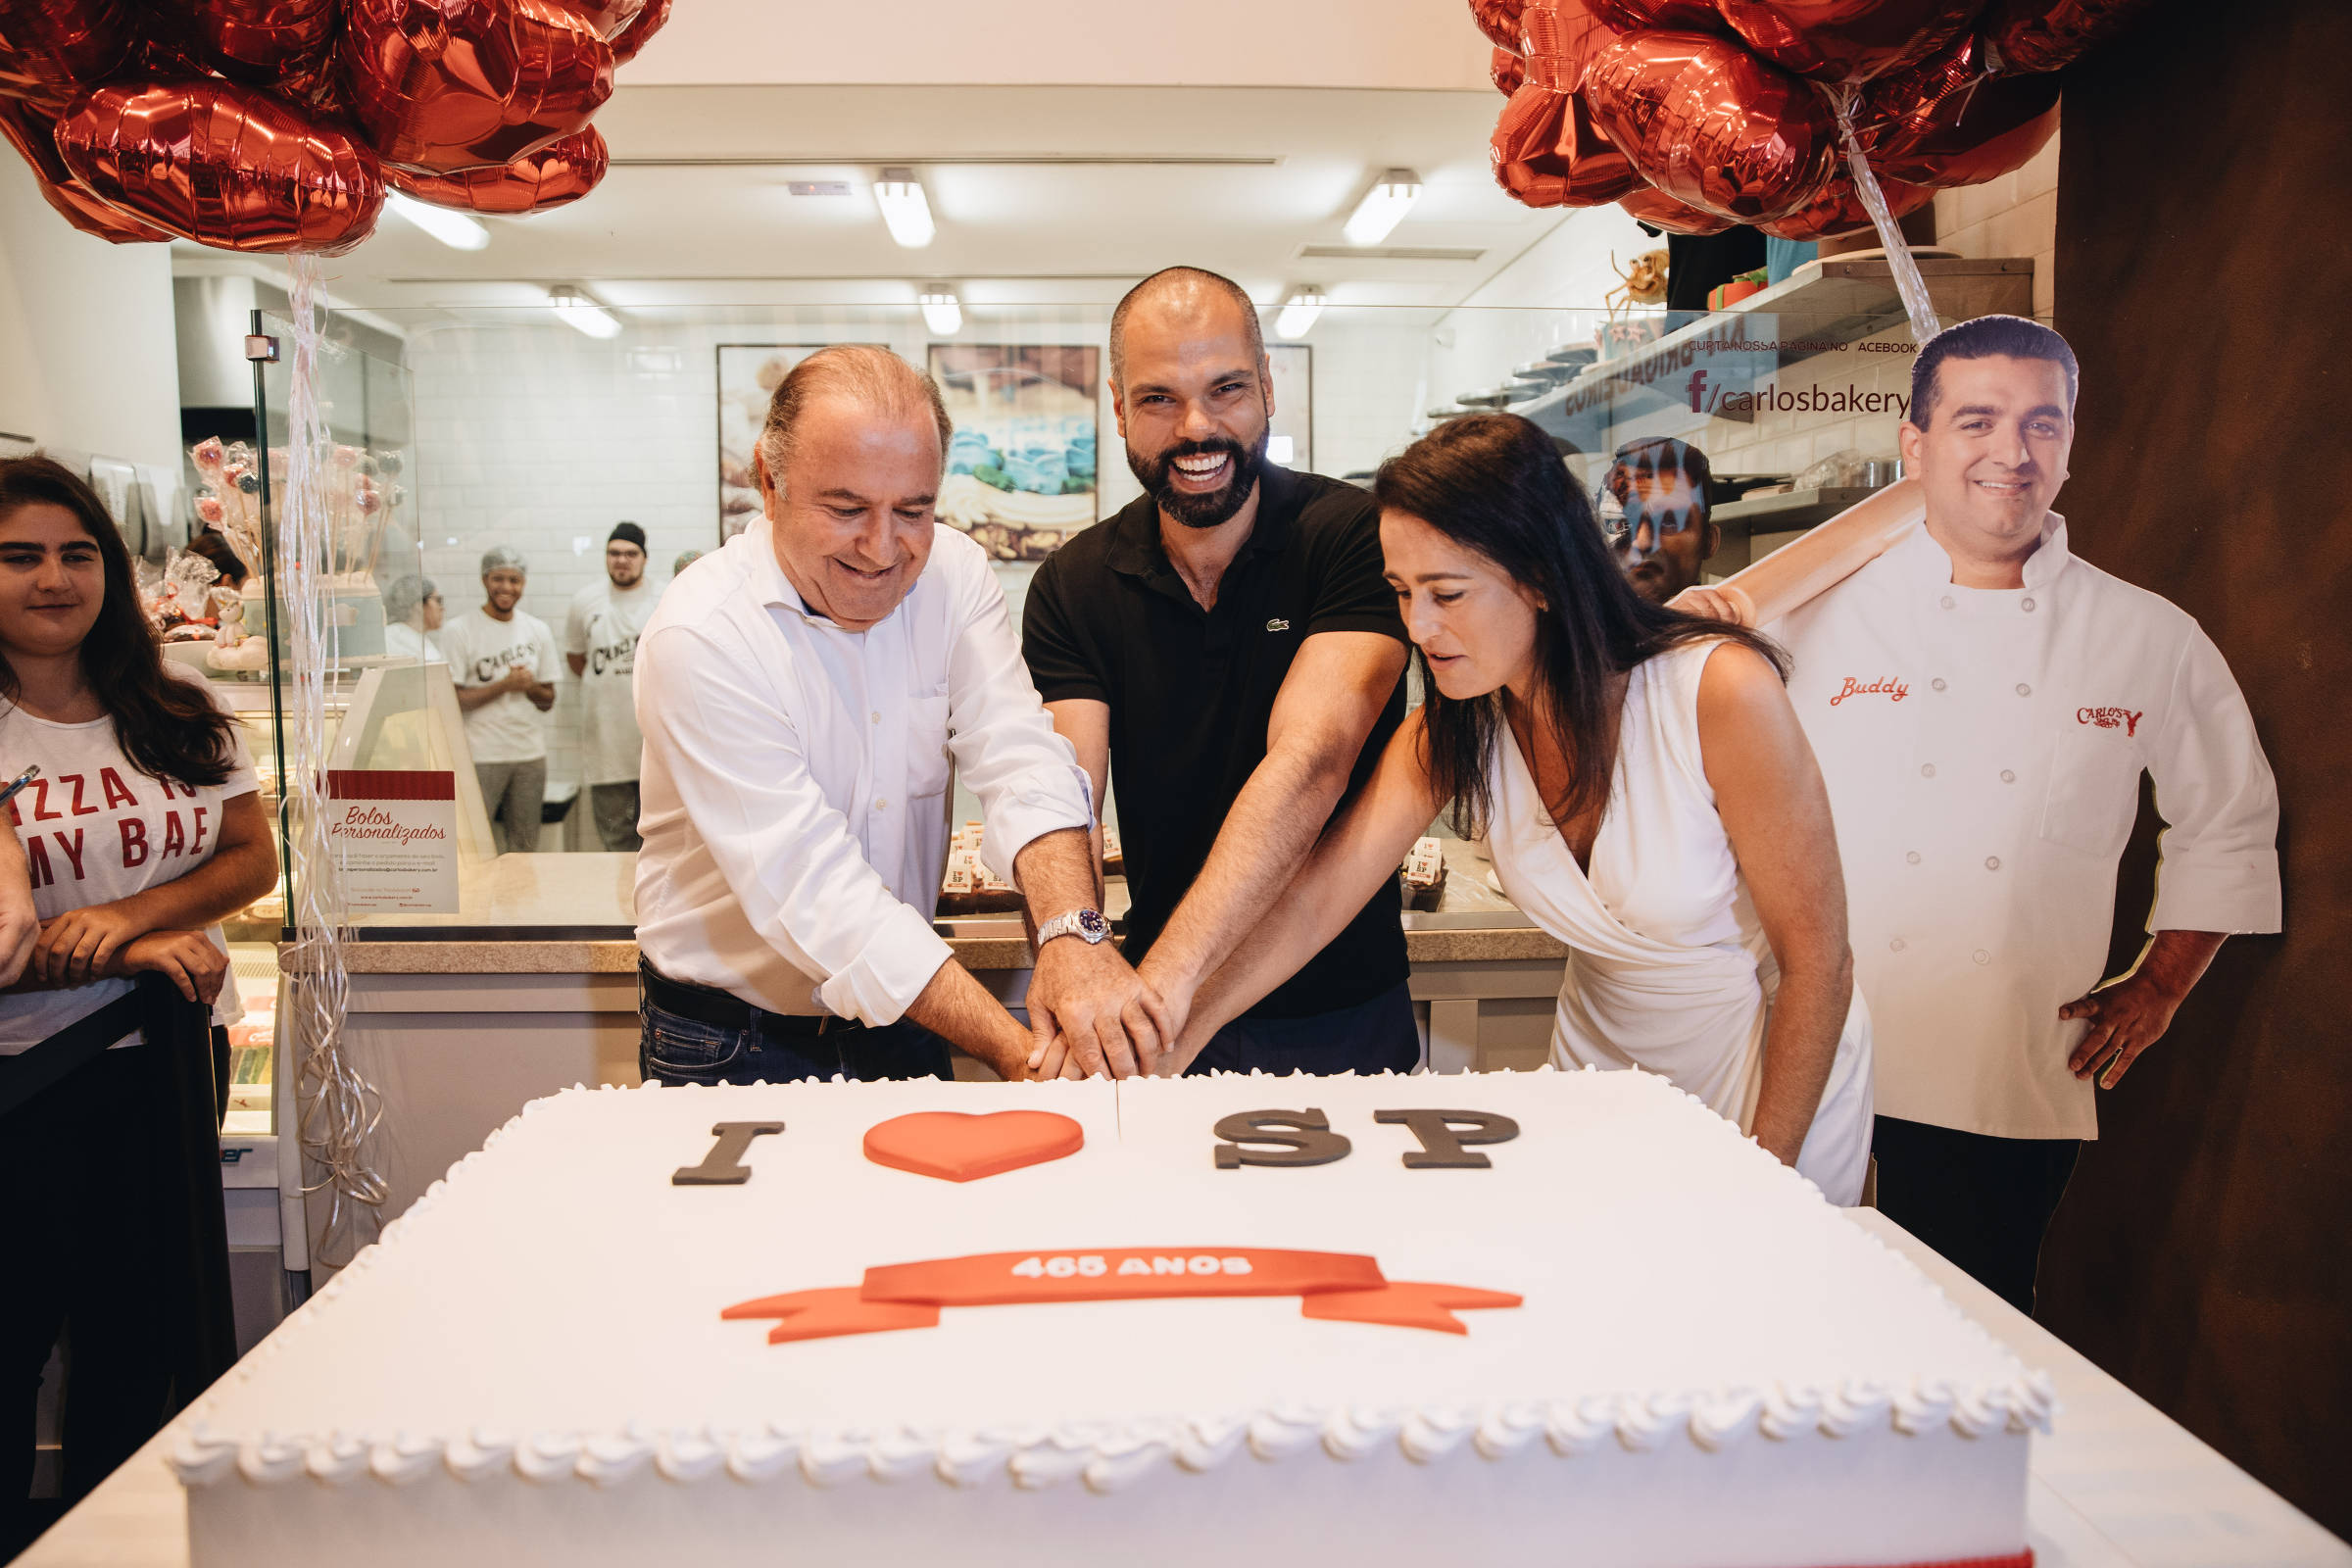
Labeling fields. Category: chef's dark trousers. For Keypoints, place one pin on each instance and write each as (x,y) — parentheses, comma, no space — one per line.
(80,1235)
(1984,1203)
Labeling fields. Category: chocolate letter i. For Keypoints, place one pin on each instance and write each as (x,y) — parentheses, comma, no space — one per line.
(723,1166)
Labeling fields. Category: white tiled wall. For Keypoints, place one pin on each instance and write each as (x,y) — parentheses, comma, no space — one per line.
(2016,214)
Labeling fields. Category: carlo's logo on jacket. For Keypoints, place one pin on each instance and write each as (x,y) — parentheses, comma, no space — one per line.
(1891,687)
(2122,719)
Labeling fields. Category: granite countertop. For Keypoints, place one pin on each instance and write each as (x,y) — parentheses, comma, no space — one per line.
(569,915)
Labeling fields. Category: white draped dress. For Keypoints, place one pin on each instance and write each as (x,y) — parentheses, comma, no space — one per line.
(1668,969)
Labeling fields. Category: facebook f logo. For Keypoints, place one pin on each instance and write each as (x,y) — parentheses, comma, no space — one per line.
(1698,391)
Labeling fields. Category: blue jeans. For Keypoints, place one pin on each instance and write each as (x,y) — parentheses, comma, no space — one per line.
(1374,1036)
(674,1050)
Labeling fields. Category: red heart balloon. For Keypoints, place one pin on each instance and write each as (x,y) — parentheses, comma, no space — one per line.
(35,136)
(446,85)
(1712,125)
(1562,38)
(223,165)
(1506,70)
(284,46)
(2045,34)
(1839,208)
(560,173)
(53,51)
(1547,151)
(632,38)
(1660,16)
(1498,19)
(1944,122)
(956,1146)
(1661,210)
(1845,40)
(610,18)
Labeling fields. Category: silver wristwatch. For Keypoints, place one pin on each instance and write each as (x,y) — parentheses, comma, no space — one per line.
(1086,924)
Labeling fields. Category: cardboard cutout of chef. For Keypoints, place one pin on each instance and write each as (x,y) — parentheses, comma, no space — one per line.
(1982,704)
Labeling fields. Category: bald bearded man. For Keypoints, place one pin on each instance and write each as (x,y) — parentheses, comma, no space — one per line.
(1227,652)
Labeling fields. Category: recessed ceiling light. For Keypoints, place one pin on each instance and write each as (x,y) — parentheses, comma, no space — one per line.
(1298,312)
(453,229)
(943,313)
(1384,207)
(904,209)
(579,312)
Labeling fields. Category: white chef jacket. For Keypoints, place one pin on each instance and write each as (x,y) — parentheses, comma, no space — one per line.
(793,793)
(1983,749)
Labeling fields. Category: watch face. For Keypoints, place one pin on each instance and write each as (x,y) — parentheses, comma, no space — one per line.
(1092,925)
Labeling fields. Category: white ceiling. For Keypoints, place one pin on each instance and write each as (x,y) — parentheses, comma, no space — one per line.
(1042,195)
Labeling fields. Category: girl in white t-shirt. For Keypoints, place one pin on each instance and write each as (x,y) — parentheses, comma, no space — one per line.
(140,832)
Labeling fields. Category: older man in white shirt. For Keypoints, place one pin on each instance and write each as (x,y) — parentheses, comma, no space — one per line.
(802,694)
(1982,704)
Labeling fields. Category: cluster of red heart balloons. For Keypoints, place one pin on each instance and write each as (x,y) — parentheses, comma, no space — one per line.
(278,124)
(1697,114)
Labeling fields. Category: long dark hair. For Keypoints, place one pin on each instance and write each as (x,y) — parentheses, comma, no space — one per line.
(1494,484)
(167,726)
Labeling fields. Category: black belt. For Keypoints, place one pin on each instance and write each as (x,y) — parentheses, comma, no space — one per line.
(723,1010)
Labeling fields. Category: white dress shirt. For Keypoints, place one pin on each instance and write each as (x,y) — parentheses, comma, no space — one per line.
(1983,749)
(795,812)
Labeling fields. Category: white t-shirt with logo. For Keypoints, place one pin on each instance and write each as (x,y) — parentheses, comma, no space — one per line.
(96,829)
(602,627)
(480,650)
(404,641)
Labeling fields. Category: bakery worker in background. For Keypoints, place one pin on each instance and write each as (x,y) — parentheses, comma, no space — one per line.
(412,618)
(1227,647)
(1653,507)
(1982,704)
(803,693)
(503,663)
(600,645)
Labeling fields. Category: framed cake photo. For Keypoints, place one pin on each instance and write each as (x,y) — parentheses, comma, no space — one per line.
(1022,475)
(748,376)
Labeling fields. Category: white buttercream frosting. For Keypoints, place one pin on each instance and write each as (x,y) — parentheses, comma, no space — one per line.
(1896,1360)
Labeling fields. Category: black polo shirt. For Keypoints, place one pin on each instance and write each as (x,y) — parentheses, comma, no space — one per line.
(1192,691)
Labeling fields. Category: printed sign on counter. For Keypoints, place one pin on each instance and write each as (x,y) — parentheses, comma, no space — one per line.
(396,834)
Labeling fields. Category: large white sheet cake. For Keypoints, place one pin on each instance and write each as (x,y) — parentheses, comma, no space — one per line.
(1708,1364)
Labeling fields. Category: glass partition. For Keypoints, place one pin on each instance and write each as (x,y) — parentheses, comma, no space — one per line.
(512,428)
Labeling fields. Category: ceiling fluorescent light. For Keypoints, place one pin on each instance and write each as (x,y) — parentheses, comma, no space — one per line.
(943,313)
(899,195)
(1298,314)
(1384,207)
(453,229)
(578,311)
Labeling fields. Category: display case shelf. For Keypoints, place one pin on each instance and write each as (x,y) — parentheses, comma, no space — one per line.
(1782,514)
(1821,308)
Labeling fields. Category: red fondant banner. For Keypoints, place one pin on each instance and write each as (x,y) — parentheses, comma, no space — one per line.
(1342,1287)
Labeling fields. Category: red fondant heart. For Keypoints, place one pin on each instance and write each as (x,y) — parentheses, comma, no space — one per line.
(957,1147)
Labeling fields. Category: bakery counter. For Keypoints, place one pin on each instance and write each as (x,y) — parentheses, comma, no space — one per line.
(460,1019)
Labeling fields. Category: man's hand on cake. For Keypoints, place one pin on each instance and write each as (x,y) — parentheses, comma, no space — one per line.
(1108,1018)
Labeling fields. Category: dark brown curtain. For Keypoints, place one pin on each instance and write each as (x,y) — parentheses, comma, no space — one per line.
(2204,270)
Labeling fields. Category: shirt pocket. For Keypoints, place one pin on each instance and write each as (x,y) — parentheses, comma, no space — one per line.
(928,762)
(2094,791)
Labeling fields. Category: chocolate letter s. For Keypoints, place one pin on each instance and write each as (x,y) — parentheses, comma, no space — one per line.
(1305,1137)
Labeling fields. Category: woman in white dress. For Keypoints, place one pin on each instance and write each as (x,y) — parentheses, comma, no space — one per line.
(1644,786)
